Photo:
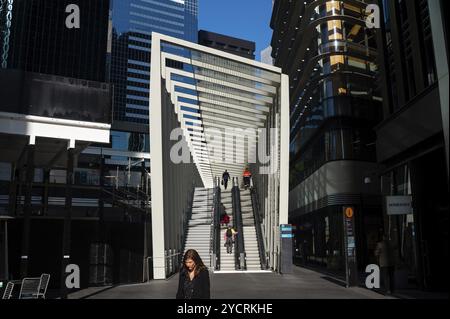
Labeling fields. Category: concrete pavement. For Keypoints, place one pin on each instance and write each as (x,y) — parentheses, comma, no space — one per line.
(302,284)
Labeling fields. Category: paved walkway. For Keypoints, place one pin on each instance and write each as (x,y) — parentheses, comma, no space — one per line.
(302,284)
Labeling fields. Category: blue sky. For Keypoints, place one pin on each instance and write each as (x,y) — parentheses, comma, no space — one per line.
(246,19)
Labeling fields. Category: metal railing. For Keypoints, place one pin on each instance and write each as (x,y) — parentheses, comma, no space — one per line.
(188,217)
(258,223)
(216,232)
(173,263)
(237,223)
(126,195)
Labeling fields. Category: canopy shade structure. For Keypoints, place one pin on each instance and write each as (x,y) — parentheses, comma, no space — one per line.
(214,96)
(230,112)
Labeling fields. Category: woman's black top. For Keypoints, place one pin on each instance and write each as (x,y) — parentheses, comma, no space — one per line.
(197,288)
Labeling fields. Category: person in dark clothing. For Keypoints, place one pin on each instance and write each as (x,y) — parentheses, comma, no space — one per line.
(225,178)
(194,278)
(386,261)
(229,236)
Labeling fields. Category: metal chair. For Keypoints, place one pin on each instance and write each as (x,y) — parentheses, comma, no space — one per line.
(34,288)
(29,288)
(7,294)
(45,278)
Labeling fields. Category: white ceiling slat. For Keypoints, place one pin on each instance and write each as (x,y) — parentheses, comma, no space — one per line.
(224,107)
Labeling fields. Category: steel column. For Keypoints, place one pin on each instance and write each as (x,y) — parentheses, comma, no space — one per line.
(67,222)
(27,211)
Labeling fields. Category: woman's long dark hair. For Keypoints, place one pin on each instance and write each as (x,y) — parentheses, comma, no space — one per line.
(199,265)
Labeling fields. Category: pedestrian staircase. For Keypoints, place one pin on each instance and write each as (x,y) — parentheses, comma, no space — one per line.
(252,257)
(199,226)
(227,261)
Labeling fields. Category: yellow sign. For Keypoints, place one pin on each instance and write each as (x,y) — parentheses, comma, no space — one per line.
(349,212)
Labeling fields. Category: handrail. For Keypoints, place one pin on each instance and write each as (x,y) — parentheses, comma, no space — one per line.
(216,235)
(188,217)
(237,218)
(117,199)
(172,264)
(258,222)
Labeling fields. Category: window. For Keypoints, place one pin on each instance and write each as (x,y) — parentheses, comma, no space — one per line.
(133,142)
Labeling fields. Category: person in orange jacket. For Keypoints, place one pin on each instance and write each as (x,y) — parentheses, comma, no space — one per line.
(247,176)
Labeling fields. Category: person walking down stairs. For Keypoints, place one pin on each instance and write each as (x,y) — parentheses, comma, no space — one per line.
(229,240)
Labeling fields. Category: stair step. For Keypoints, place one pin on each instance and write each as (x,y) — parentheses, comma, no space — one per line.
(198,237)
(199,233)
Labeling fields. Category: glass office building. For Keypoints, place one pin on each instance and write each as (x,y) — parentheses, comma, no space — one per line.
(332,61)
(133,21)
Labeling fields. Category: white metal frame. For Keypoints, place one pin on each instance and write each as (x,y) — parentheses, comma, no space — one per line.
(218,110)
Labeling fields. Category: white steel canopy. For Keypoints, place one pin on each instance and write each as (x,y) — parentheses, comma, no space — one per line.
(226,108)
(222,101)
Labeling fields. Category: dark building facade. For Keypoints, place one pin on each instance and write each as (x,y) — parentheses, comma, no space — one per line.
(110,238)
(412,140)
(57,203)
(35,38)
(228,44)
(332,60)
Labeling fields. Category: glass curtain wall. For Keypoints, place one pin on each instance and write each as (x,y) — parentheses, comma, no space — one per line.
(336,97)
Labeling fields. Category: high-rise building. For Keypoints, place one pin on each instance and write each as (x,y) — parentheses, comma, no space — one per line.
(228,44)
(132,25)
(412,140)
(335,100)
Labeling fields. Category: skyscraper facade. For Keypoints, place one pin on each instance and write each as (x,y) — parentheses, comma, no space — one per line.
(241,47)
(331,58)
(133,21)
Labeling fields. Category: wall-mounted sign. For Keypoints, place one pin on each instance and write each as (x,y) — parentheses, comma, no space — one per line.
(350,246)
(399,205)
(349,212)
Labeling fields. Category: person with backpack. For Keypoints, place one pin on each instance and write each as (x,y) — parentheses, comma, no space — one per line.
(229,240)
